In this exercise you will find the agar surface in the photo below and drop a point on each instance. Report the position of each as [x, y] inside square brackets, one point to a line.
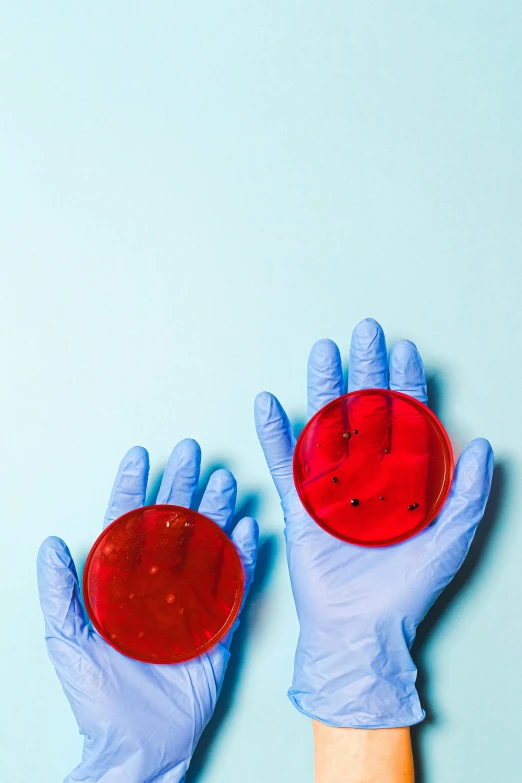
[163, 584]
[364, 489]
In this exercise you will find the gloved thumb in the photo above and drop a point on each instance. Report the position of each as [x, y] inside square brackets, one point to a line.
[59, 596]
[453, 532]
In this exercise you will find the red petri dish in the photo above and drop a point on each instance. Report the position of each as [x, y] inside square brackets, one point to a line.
[163, 584]
[373, 467]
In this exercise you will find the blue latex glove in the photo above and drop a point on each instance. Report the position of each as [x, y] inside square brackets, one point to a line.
[141, 722]
[358, 607]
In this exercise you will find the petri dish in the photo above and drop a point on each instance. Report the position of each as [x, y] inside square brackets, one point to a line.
[373, 467]
[163, 584]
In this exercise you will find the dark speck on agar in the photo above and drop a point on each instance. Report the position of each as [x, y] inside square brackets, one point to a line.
[335, 479]
[354, 502]
[347, 435]
[382, 497]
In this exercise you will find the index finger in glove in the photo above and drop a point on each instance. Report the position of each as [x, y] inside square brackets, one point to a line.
[245, 538]
[130, 484]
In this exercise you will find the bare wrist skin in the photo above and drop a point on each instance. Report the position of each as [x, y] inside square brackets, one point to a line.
[345, 755]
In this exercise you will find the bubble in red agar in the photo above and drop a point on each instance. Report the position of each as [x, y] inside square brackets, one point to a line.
[190, 603]
[401, 454]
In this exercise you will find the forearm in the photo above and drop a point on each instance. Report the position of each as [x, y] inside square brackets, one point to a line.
[361, 755]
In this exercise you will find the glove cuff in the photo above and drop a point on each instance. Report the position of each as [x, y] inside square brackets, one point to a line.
[373, 692]
[362, 720]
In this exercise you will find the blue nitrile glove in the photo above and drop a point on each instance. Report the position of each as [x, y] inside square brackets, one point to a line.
[141, 722]
[359, 607]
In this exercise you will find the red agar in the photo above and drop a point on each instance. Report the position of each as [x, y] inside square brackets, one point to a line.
[163, 584]
[373, 467]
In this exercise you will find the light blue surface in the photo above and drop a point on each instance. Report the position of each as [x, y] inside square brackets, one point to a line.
[191, 195]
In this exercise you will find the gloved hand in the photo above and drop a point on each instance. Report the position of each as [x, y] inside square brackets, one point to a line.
[141, 722]
[358, 607]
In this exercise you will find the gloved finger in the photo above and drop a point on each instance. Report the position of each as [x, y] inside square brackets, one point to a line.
[277, 440]
[454, 530]
[245, 537]
[59, 596]
[181, 477]
[407, 371]
[219, 499]
[368, 367]
[325, 384]
[324, 375]
[410, 430]
[130, 484]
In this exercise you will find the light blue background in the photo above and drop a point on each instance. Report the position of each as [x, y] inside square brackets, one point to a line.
[192, 193]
